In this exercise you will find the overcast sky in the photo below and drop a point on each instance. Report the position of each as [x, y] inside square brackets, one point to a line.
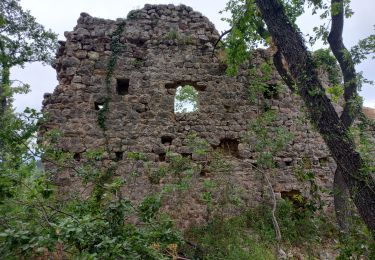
[62, 15]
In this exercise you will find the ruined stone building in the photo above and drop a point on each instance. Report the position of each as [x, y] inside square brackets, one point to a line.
[117, 87]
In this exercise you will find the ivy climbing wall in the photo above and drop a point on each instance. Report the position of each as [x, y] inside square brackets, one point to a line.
[117, 85]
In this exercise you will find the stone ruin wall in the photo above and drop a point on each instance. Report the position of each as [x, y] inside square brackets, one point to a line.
[167, 46]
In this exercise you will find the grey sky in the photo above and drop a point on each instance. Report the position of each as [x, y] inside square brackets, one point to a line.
[62, 15]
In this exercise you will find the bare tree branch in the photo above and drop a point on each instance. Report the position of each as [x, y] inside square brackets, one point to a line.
[274, 207]
[221, 37]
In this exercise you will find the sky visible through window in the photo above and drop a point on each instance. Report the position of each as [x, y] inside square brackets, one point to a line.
[186, 99]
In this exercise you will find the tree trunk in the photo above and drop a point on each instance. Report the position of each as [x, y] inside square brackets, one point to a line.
[351, 107]
[322, 114]
[341, 201]
[4, 86]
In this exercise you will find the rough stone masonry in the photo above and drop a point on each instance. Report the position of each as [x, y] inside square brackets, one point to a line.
[155, 50]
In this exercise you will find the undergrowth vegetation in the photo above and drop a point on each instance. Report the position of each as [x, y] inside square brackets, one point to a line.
[251, 235]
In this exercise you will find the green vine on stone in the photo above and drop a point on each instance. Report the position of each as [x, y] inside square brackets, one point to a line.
[116, 48]
[102, 113]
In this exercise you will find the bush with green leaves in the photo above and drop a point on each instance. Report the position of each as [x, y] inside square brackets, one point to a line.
[251, 234]
[35, 221]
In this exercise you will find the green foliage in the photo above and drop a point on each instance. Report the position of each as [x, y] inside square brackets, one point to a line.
[178, 38]
[304, 175]
[249, 30]
[227, 239]
[35, 222]
[302, 226]
[172, 35]
[186, 99]
[266, 141]
[245, 23]
[116, 48]
[149, 208]
[179, 164]
[219, 164]
[364, 49]
[198, 145]
[20, 33]
[258, 87]
[365, 148]
[85, 230]
[102, 114]
[136, 156]
[251, 234]
[328, 63]
[17, 150]
[22, 40]
[154, 176]
[336, 92]
[357, 243]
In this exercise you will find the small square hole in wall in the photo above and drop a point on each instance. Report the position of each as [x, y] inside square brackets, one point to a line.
[229, 146]
[166, 139]
[77, 157]
[119, 156]
[162, 157]
[99, 106]
[288, 163]
[323, 161]
[122, 87]
[187, 155]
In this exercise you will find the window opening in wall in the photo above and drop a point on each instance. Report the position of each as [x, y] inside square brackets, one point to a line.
[122, 87]
[323, 161]
[166, 139]
[187, 155]
[162, 157]
[288, 163]
[229, 146]
[99, 105]
[295, 197]
[77, 157]
[119, 156]
[186, 99]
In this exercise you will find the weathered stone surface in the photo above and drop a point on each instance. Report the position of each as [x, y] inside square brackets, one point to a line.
[163, 47]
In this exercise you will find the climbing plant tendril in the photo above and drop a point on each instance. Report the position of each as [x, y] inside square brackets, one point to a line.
[116, 48]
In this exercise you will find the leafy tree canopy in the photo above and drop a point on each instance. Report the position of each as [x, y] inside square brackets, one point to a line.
[22, 39]
[250, 31]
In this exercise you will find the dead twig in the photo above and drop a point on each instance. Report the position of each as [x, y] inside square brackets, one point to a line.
[220, 38]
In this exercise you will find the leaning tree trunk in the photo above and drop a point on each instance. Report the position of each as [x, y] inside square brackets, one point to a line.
[352, 108]
[322, 114]
[4, 85]
[4, 82]
[341, 201]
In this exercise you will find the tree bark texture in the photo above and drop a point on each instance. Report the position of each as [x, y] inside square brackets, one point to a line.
[322, 113]
[351, 107]
[341, 201]
[4, 82]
